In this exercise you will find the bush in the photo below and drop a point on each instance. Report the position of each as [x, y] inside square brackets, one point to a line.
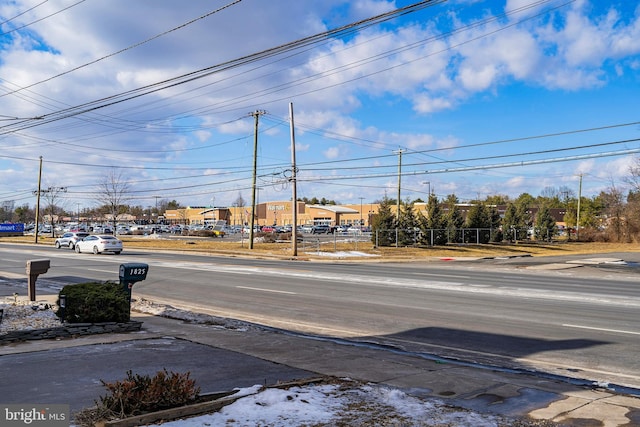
[592, 235]
[141, 393]
[95, 302]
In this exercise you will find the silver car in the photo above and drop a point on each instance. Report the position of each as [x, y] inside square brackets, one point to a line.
[69, 239]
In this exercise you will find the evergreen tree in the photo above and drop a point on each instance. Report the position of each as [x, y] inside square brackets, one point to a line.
[523, 204]
[433, 227]
[407, 234]
[514, 223]
[545, 227]
[383, 225]
[453, 221]
[495, 220]
[479, 220]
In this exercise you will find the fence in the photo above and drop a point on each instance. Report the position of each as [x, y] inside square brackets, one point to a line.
[434, 237]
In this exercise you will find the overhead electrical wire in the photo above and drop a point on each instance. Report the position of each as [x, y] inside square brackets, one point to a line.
[39, 19]
[125, 49]
[6, 21]
[473, 168]
[493, 18]
[382, 55]
[195, 75]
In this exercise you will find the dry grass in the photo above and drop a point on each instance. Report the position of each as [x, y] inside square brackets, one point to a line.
[307, 249]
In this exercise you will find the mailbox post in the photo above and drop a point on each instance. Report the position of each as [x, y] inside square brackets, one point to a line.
[131, 273]
[35, 268]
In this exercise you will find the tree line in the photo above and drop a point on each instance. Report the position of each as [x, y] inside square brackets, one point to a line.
[607, 217]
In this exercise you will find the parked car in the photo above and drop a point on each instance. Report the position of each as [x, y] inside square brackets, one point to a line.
[320, 229]
[99, 243]
[70, 238]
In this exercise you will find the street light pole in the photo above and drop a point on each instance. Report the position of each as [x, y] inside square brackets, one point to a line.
[429, 184]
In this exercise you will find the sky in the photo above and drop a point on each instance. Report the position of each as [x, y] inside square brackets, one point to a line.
[466, 97]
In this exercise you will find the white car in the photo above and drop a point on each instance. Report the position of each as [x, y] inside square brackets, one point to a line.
[99, 243]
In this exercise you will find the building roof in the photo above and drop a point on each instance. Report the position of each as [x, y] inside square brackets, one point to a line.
[334, 208]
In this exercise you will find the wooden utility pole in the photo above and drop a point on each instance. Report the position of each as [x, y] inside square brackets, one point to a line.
[38, 200]
[294, 195]
[578, 213]
[256, 115]
[399, 152]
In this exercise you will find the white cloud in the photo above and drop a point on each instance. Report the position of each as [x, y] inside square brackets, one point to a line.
[332, 152]
[425, 104]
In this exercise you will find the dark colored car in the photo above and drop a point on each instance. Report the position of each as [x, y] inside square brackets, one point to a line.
[320, 229]
[70, 239]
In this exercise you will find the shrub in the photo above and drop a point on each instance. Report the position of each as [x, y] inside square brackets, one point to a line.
[138, 394]
[95, 302]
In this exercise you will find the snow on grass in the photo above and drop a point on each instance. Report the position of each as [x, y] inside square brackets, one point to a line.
[345, 403]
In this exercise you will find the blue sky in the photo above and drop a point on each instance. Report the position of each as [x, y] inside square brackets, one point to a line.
[163, 94]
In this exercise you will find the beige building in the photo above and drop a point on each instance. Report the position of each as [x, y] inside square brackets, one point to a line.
[276, 213]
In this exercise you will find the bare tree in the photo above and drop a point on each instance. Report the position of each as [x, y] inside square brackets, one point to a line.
[113, 193]
[52, 197]
[634, 176]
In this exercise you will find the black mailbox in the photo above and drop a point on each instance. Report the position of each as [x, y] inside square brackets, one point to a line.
[131, 273]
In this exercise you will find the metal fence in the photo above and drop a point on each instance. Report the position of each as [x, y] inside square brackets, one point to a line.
[435, 237]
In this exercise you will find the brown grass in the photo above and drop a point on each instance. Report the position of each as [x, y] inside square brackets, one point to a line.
[308, 249]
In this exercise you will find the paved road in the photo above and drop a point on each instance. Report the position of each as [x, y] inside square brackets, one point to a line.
[579, 322]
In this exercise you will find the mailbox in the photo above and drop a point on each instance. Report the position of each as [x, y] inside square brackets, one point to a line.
[34, 269]
[131, 273]
[38, 266]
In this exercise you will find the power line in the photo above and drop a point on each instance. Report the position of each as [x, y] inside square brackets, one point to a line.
[37, 20]
[122, 50]
[199, 74]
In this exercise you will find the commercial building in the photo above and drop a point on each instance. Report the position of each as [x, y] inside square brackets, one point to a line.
[276, 213]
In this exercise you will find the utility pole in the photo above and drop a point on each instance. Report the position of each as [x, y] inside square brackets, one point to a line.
[294, 195]
[578, 213]
[399, 152]
[256, 115]
[38, 200]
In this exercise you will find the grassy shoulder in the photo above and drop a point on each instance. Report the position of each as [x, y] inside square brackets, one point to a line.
[311, 249]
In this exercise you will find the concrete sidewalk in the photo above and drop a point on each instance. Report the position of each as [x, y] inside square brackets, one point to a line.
[469, 387]
[221, 358]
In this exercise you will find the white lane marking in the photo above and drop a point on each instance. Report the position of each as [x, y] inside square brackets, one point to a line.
[619, 331]
[442, 275]
[266, 290]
